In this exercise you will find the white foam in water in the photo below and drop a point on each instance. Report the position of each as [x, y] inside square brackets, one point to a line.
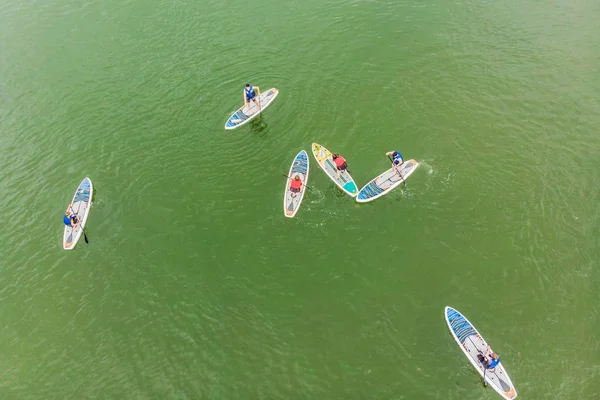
[427, 166]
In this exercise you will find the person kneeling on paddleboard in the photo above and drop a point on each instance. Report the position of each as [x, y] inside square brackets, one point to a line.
[249, 95]
[70, 219]
[296, 184]
[340, 164]
[490, 360]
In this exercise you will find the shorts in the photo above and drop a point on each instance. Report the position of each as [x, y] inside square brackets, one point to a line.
[295, 190]
[342, 167]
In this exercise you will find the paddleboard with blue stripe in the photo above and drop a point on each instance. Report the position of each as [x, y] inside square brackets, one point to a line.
[473, 345]
[292, 200]
[387, 181]
[80, 206]
[246, 113]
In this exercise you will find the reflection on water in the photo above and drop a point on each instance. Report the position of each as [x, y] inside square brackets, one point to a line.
[258, 125]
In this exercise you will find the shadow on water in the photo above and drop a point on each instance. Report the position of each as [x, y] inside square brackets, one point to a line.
[259, 125]
[336, 191]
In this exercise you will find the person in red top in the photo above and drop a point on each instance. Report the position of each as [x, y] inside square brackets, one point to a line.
[340, 163]
[296, 184]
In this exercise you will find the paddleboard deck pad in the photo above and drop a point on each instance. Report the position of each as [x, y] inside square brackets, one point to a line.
[387, 181]
[80, 206]
[292, 200]
[246, 113]
[325, 160]
[475, 347]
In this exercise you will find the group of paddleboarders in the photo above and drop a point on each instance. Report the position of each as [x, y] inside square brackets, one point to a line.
[342, 165]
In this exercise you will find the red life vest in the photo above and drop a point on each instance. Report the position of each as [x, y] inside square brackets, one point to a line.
[339, 161]
[296, 184]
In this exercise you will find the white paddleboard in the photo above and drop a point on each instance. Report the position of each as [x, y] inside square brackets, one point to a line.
[80, 206]
[472, 344]
[246, 113]
[387, 181]
[292, 200]
[325, 160]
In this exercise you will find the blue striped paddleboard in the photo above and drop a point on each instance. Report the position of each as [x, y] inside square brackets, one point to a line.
[385, 182]
[473, 345]
[246, 113]
[292, 200]
[80, 206]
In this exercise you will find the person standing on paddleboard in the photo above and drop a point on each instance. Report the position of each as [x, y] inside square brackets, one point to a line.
[249, 95]
[397, 160]
[340, 163]
[396, 157]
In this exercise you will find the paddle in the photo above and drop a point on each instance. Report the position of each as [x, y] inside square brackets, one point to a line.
[83, 230]
[484, 362]
[481, 359]
[308, 187]
[398, 172]
[484, 371]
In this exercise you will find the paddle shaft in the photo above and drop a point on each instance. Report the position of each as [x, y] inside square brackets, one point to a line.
[308, 187]
[398, 172]
[484, 371]
[83, 230]
[483, 362]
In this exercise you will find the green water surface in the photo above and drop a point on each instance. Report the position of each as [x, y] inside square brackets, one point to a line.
[195, 286]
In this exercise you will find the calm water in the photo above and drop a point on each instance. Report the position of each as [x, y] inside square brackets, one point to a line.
[195, 286]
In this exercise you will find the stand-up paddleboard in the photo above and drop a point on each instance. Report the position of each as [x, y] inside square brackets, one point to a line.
[246, 113]
[385, 182]
[325, 160]
[80, 206]
[472, 344]
[292, 200]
